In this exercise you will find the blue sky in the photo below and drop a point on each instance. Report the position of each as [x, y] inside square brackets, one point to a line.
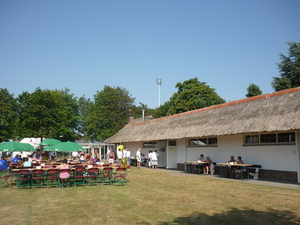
[84, 45]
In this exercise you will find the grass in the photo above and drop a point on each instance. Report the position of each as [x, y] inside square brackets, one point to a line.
[153, 197]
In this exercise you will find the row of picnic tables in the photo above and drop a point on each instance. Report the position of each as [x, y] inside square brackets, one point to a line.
[222, 165]
[45, 167]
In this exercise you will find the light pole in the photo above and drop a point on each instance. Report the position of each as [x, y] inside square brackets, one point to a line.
[159, 82]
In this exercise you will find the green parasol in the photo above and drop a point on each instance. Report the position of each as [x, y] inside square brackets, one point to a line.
[50, 142]
[65, 147]
[15, 146]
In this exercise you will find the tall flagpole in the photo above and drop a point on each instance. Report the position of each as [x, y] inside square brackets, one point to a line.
[159, 82]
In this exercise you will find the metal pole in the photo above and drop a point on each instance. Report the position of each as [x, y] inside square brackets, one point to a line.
[159, 82]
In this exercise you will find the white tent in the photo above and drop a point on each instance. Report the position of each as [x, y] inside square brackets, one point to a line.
[35, 142]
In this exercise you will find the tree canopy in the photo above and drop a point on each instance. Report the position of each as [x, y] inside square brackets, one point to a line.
[192, 94]
[109, 112]
[289, 68]
[49, 114]
[253, 90]
[8, 115]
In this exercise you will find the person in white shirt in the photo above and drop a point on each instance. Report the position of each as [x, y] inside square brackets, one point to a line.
[157, 156]
[75, 155]
[138, 158]
[153, 159]
[126, 155]
[120, 156]
[111, 156]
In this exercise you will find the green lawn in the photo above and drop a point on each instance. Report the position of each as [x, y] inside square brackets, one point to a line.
[153, 197]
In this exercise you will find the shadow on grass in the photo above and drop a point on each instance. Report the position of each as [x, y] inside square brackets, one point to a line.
[237, 217]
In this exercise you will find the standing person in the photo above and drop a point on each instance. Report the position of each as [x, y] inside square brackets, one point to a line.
[75, 155]
[111, 157]
[208, 166]
[119, 156]
[153, 160]
[52, 155]
[126, 155]
[149, 159]
[157, 156]
[138, 158]
[96, 155]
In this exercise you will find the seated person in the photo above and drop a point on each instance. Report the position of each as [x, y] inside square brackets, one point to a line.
[21, 162]
[87, 157]
[207, 167]
[16, 159]
[24, 163]
[239, 169]
[230, 169]
[201, 158]
[27, 163]
[3, 164]
[29, 157]
[81, 157]
[64, 165]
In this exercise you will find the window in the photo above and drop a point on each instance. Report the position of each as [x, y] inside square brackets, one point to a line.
[172, 143]
[193, 142]
[286, 137]
[271, 138]
[151, 144]
[203, 142]
[252, 139]
[268, 138]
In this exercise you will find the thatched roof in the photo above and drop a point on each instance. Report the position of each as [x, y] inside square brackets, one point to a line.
[278, 111]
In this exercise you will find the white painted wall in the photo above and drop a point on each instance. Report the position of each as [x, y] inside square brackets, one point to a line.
[133, 147]
[272, 157]
[172, 157]
[181, 151]
[162, 162]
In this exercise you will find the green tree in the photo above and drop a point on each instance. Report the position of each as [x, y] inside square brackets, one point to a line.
[49, 114]
[162, 110]
[253, 90]
[8, 115]
[137, 111]
[109, 112]
[193, 94]
[289, 68]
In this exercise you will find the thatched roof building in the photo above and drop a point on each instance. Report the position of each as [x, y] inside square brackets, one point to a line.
[278, 111]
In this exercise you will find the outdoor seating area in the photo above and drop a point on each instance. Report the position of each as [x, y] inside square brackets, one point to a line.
[47, 175]
[225, 170]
